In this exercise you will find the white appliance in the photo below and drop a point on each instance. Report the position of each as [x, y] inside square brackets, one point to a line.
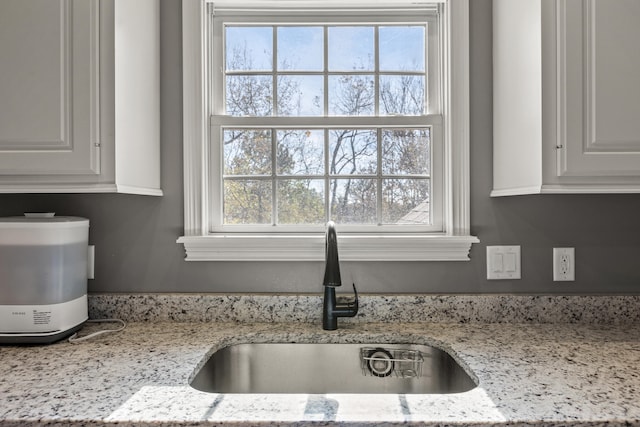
[43, 277]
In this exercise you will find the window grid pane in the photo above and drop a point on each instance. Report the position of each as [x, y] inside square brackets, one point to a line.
[340, 74]
[309, 176]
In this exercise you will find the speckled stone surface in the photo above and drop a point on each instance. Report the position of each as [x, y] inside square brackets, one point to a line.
[373, 308]
[527, 374]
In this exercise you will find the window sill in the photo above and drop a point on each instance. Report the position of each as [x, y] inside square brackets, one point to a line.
[310, 247]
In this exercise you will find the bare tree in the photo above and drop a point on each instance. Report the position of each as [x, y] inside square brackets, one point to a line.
[356, 157]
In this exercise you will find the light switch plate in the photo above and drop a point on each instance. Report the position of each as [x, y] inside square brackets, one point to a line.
[503, 262]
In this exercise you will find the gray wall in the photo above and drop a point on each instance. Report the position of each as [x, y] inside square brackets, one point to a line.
[135, 235]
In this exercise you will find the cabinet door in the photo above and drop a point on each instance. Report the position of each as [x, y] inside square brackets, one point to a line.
[49, 87]
[599, 69]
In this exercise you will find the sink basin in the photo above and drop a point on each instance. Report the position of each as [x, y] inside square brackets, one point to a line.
[332, 368]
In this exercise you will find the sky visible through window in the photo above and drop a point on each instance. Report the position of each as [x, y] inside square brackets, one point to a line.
[371, 175]
[402, 48]
[350, 49]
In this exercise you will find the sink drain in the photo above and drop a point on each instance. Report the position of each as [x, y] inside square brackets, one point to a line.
[380, 362]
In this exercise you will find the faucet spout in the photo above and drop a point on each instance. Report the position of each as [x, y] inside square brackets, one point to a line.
[332, 309]
[332, 263]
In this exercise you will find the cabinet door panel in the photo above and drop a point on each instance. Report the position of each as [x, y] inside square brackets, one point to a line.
[614, 105]
[599, 68]
[48, 90]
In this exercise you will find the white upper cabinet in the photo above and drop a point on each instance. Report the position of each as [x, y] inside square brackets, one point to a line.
[80, 96]
[566, 96]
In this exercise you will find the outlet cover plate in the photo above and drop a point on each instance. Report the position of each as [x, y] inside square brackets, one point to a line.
[503, 262]
[564, 264]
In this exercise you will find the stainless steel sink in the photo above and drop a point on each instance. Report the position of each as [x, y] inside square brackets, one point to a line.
[332, 368]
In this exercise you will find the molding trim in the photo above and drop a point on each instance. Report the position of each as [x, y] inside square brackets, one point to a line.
[516, 191]
[311, 247]
[590, 189]
[195, 125]
[569, 189]
[457, 117]
[63, 187]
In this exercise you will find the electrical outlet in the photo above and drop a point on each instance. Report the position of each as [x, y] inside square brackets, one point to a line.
[564, 265]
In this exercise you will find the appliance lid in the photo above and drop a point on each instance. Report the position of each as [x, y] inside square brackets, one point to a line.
[47, 219]
[43, 230]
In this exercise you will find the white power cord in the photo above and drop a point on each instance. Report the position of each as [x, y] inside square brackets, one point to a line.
[73, 339]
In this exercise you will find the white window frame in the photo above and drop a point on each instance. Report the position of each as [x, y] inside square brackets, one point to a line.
[220, 120]
[451, 244]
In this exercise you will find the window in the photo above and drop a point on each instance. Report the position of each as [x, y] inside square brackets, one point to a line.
[316, 122]
[301, 112]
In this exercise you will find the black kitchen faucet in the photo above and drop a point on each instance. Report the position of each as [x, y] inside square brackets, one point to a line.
[332, 309]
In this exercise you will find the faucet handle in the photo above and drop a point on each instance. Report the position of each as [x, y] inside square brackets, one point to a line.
[349, 308]
[354, 305]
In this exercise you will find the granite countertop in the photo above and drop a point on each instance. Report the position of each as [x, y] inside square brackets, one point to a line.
[542, 374]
